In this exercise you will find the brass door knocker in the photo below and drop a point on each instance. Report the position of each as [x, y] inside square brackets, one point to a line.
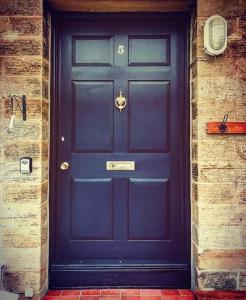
[120, 102]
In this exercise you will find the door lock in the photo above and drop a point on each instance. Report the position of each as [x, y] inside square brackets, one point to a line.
[64, 165]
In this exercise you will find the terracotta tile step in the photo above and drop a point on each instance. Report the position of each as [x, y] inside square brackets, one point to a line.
[143, 294]
[120, 294]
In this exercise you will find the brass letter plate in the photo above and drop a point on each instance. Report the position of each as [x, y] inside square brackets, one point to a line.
[120, 165]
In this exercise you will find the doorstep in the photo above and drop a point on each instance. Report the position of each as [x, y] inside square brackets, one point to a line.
[143, 294]
[120, 294]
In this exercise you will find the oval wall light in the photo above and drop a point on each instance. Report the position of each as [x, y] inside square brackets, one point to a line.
[215, 35]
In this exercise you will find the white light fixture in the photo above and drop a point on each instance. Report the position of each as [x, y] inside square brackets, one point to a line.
[215, 35]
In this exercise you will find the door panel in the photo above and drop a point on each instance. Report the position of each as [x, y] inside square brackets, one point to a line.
[149, 116]
[112, 224]
[148, 209]
[92, 131]
[92, 50]
[149, 50]
[88, 223]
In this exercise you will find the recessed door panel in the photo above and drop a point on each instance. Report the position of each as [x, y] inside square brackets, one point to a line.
[91, 209]
[92, 116]
[92, 50]
[149, 50]
[148, 209]
[149, 116]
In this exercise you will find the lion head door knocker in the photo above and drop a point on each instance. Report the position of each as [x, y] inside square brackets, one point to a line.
[120, 102]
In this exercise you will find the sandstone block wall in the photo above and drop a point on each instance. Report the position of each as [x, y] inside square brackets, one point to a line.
[218, 87]
[24, 69]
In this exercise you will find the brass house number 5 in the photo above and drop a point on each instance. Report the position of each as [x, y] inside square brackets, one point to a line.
[121, 49]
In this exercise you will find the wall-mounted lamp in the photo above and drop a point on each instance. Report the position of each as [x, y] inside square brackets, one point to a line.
[215, 35]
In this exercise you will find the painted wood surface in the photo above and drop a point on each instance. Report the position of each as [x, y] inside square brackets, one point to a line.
[232, 128]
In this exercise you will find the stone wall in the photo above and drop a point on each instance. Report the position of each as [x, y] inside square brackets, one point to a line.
[24, 69]
[218, 87]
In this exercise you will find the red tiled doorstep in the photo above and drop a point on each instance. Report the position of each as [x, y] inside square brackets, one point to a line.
[120, 294]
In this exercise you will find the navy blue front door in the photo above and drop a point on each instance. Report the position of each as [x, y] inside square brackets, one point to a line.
[120, 227]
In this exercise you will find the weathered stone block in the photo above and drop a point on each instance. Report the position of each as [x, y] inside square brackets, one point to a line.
[25, 26]
[225, 88]
[44, 213]
[221, 214]
[242, 280]
[12, 152]
[46, 40]
[221, 107]
[194, 130]
[219, 237]
[195, 233]
[44, 191]
[45, 69]
[4, 24]
[45, 110]
[226, 172]
[45, 89]
[240, 106]
[45, 151]
[241, 151]
[236, 49]
[11, 173]
[22, 193]
[21, 238]
[194, 189]
[194, 70]
[30, 130]
[17, 281]
[194, 212]
[194, 151]
[22, 65]
[24, 8]
[14, 46]
[45, 130]
[207, 8]
[226, 259]
[31, 87]
[220, 66]
[44, 255]
[217, 151]
[13, 217]
[242, 236]
[16, 259]
[241, 192]
[44, 233]
[217, 280]
[216, 193]
[20, 26]
[194, 110]
[45, 170]
[195, 171]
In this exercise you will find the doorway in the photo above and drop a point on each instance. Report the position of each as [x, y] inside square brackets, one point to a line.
[120, 204]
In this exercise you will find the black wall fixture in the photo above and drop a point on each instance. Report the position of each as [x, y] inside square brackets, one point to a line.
[16, 101]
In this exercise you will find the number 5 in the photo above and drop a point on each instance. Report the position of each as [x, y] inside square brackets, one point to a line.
[121, 49]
